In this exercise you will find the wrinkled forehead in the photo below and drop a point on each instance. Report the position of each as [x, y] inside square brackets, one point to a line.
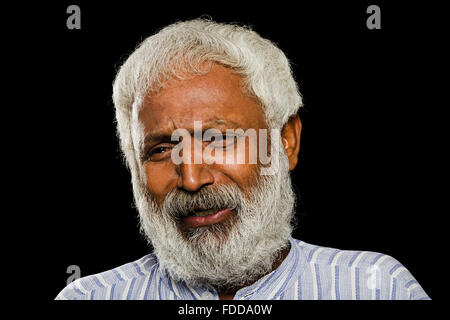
[216, 99]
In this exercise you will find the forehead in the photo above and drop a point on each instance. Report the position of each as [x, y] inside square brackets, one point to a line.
[217, 95]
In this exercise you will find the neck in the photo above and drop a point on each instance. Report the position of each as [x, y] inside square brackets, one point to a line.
[229, 293]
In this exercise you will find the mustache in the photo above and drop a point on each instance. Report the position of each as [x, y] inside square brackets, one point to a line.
[179, 203]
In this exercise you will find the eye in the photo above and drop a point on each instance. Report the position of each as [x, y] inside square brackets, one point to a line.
[159, 150]
[224, 141]
[158, 153]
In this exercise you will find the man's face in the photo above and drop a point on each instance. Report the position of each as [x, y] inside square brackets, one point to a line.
[220, 224]
[217, 100]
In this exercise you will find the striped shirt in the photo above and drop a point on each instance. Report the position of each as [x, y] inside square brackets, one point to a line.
[309, 272]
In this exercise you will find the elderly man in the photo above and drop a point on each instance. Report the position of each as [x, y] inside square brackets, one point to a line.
[196, 104]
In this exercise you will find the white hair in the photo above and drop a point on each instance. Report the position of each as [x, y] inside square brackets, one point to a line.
[184, 47]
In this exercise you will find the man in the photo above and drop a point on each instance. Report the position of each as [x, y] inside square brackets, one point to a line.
[196, 104]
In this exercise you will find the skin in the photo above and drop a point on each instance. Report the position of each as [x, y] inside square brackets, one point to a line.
[217, 99]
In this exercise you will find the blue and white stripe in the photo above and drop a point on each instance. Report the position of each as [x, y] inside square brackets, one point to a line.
[309, 272]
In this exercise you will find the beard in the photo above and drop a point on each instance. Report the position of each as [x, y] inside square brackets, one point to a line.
[229, 254]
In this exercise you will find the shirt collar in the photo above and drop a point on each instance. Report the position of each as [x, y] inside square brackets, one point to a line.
[271, 286]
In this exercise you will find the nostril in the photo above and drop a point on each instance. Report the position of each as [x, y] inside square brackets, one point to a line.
[193, 177]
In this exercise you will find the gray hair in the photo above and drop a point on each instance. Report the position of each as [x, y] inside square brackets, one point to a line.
[184, 47]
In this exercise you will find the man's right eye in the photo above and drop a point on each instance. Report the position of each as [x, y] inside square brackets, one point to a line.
[159, 150]
[158, 153]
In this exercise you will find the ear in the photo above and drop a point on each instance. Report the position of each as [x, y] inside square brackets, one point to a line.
[290, 136]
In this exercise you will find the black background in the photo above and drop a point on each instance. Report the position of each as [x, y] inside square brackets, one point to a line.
[366, 176]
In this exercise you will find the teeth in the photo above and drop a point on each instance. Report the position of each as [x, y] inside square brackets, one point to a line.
[204, 213]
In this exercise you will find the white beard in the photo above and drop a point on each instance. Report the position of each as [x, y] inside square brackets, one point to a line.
[230, 254]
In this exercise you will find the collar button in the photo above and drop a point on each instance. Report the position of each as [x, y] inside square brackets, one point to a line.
[207, 296]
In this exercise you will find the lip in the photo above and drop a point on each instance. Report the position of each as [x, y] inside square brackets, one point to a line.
[216, 217]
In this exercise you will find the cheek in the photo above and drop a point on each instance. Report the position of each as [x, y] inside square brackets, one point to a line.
[241, 165]
[242, 151]
[242, 174]
[160, 179]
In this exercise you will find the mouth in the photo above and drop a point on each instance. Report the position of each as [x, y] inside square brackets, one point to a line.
[200, 218]
[202, 213]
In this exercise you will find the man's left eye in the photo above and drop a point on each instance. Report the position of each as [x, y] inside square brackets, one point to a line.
[223, 141]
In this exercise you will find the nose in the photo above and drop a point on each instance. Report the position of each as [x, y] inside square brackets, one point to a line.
[192, 177]
[192, 172]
